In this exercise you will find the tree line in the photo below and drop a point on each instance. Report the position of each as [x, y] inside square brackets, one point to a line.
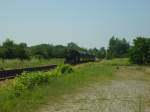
[138, 52]
[11, 50]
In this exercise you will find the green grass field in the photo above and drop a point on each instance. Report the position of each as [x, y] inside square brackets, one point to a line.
[83, 75]
[16, 63]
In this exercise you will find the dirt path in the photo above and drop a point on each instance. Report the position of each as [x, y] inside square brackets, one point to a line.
[113, 96]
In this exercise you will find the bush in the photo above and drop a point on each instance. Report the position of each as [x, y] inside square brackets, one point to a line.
[65, 69]
[62, 69]
[30, 80]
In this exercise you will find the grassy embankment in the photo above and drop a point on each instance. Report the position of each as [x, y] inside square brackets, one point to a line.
[30, 99]
[16, 63]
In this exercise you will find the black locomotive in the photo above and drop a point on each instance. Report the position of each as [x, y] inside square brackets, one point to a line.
[75, 57]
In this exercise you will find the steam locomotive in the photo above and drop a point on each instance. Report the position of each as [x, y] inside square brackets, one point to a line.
[76, 56]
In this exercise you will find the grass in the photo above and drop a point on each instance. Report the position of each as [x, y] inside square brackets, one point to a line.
[16, 63]
[116, 62]
[140, 73]
[83, 75]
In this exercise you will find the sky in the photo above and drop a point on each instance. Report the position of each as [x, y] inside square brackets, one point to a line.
[89, 23]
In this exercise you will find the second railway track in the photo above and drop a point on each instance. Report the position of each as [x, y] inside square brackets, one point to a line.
[7, 74]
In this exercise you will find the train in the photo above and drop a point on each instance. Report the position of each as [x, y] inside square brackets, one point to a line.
[72, 57]
[76, 57]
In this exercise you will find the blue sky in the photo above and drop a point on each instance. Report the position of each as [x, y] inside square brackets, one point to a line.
[89, 23]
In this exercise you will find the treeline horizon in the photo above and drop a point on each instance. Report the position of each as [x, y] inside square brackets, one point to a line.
[138, 53]
[11, 50]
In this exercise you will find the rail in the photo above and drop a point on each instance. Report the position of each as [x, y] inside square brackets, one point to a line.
[7, 74]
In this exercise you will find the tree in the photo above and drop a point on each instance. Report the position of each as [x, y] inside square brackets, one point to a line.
[42, 51]
[140, 51]
[117, 48]
[59, 51]
[102, 53]
[21, 51]
[99, 53]
[9, 49]
[73, 46]
[2, 55]
[94, 51]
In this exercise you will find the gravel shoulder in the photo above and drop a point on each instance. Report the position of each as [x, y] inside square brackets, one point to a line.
[129, 92]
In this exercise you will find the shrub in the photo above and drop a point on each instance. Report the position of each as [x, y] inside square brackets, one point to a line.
[31, 80]
[63, 69]
[18, 88]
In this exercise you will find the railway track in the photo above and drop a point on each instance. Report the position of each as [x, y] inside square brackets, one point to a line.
[7, 74]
